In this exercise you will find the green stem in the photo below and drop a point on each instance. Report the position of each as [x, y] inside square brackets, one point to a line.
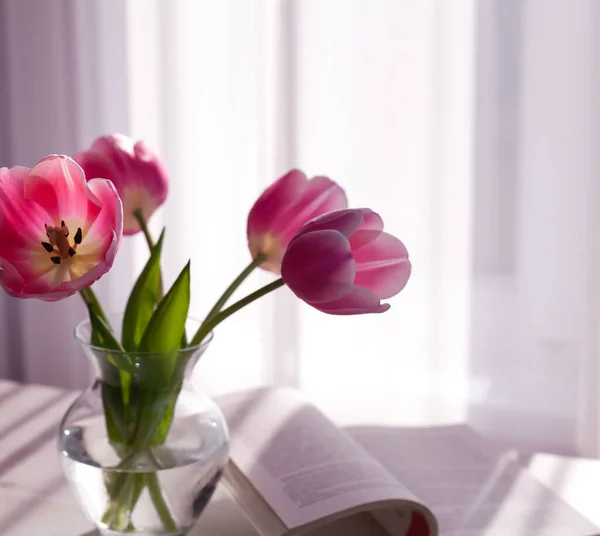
[257, 261]
[91, 300]
[126, 491]
[118, 512]
[159, 502]
[213, 322]
[139, 216]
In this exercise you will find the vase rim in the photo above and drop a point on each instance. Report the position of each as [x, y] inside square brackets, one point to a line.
[81, 339]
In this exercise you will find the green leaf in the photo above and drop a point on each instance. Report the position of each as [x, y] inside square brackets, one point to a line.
[165, 330]
[96, 339]
[114, 398]
[144, 296]
[103, 332]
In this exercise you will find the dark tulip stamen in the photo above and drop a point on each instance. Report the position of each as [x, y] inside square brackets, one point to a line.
[59, 244]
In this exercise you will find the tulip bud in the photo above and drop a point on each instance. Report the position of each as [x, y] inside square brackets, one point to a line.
[136, 171]
[283, 208]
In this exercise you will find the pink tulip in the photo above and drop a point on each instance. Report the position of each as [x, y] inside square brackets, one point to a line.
[344, 264]
[58, 232]
[283, 208]
[136, 171]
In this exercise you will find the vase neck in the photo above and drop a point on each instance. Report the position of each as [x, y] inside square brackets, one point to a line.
[153, 370]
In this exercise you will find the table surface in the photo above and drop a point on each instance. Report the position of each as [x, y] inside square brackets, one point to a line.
[35, 494]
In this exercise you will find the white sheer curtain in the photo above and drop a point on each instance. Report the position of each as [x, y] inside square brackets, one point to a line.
[535, 316]
[467, 125]
[384, 102]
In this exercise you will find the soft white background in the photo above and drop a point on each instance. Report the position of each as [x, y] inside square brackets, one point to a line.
[469, 126]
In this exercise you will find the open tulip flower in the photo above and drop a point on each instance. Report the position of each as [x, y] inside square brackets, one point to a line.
[136, 171]
[59, 233]
[343, 263]
[283, 208]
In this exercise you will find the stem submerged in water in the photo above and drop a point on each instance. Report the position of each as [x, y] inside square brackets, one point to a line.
[124, 493]
[153, 485]
[125, 486]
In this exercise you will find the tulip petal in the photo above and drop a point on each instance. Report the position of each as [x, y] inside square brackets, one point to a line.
[382, 265]
[21, 222]
[357, 302]
[276, 199]
[369, 230]
[115, 148]
[147, 164]
[22, 230]
[318, 267]
[57, 184]
[83, 277]
[136, 198]
[102, 239]
[10, 279]
[96, 165]
[14, 285]
[345, 220]
[321, 195]
[372, 220]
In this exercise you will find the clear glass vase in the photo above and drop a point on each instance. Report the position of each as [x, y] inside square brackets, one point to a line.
[141, 448]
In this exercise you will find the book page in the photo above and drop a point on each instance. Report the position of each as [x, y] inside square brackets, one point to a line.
[302, 464]
[472, 489]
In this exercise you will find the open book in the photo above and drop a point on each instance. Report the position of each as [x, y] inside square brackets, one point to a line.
[293, 471]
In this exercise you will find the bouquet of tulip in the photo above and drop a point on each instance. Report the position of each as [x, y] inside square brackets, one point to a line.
[62, 223]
